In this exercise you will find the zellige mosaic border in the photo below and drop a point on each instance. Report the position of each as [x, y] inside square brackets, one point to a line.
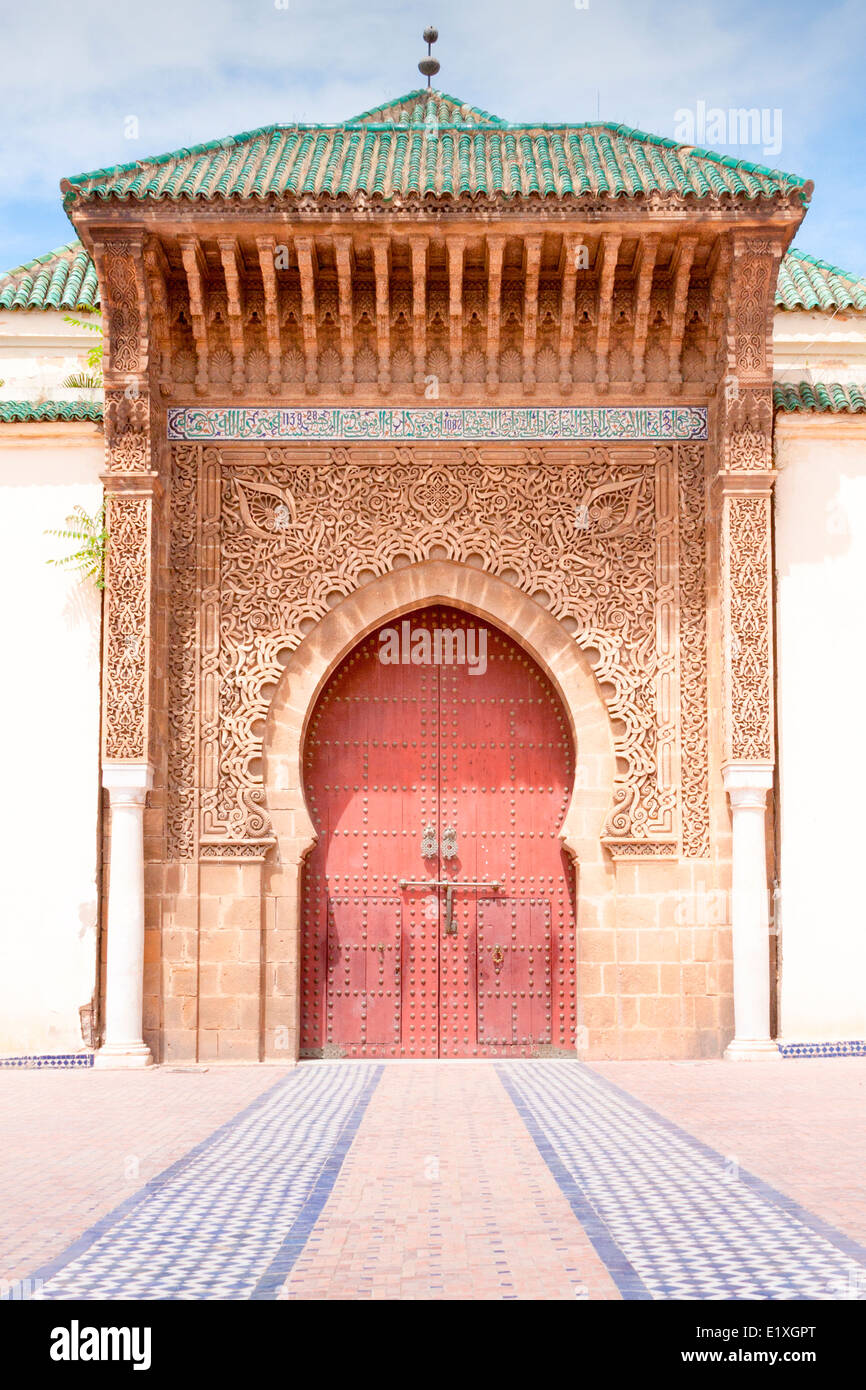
[379, 424]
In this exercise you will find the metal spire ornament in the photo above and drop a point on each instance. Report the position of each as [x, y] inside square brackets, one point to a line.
[429, 65]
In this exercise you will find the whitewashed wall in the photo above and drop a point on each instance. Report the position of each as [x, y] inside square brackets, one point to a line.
[38, 351]
[49, 700]
[49, 713]
[819, 346]
[820, 540]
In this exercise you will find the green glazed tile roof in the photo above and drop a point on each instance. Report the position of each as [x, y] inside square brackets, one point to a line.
[819, 396]
[807, 283]
[16, 412]
[422, 107]
[62, 279]
[429, 144]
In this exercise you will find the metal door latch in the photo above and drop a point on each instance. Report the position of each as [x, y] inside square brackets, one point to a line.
[449, 884]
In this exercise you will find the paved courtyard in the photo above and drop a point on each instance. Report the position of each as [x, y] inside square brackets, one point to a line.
[476, 1180]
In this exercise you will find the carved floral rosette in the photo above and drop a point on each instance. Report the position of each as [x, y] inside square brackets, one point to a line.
[265, 541]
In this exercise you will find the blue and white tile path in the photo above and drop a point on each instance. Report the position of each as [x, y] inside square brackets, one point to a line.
[663, 1210]
[228, 1220]
[667, 1216]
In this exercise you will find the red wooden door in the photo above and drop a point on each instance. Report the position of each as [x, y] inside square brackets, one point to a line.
[437, 907]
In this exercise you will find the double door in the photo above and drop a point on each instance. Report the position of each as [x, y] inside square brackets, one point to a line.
[437, 914]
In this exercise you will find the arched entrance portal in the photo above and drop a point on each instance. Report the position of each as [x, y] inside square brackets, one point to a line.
[437, 904]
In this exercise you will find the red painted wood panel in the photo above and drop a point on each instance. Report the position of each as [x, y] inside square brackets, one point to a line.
[477, 752]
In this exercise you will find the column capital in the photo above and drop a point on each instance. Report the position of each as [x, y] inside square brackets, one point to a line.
[755, 482]
[747, 777]
[127, 783]
[747, 774]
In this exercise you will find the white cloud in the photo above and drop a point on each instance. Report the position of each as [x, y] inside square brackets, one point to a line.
[193, 70]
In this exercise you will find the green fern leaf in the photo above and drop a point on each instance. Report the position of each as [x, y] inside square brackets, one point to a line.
[89, 559]
[84, 381]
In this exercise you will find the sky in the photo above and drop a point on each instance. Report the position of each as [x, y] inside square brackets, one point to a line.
[104, 82]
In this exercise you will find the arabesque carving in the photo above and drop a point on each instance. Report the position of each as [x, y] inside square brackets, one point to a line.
[694, 692]
[123, 316]
[284, 533]
[746, 572]
[127, 430]
[183, 654]
[754, 279]
[746, 460]
[125, 733]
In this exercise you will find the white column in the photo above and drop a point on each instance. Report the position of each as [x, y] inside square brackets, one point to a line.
[747, 785]
[124, 1046]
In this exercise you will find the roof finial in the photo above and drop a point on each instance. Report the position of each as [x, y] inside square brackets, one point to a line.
[429, 66]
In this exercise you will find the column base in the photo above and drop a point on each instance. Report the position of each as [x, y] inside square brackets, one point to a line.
[752, 1050]
[116, 1057]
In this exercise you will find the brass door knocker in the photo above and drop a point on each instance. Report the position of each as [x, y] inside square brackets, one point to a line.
[498, 957]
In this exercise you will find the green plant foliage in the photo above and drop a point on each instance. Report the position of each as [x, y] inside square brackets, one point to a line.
[85, 381]
[90, 534]
[91, 380]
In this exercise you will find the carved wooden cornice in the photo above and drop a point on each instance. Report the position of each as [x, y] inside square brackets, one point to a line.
[682, 266]
[381, 259]
[368, 312]
[195, 268]
[343, 257]
[610, 244]
[532, 264]
[157, 271]
[456, 251]
[304, 248]
[419, 246]
[495, 252]
[671, 205]
[645, 265]
[229, 255]
[266, 246]
[570, 248]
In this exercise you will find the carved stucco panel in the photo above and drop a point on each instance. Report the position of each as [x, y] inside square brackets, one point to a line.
[127, 627]
[755, 272]
[123, 314]
[747, 609]
[127, 430]
[183, 654]
[284, 533]
[694, 694]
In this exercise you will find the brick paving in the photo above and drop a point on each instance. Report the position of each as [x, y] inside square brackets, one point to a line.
[445, 1186]
[443, 1195]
